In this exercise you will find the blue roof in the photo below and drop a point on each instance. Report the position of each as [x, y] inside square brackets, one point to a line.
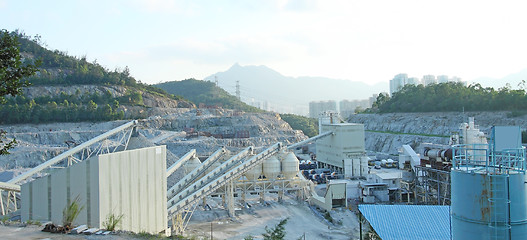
[408, 221]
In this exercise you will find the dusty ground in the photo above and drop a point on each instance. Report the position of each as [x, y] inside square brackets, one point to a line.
[302, 220]
[14, 232]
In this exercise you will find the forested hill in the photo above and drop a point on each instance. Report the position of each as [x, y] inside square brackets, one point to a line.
[205, 93]
[70, 89]
[452, 97]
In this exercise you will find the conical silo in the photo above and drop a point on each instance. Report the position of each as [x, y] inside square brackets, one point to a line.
[271, 168]
[290, 165]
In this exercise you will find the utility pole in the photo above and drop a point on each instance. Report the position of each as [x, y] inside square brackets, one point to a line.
[217, 90]
[238, 90]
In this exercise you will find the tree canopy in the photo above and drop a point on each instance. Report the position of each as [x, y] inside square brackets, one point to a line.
[308, 125]
[451, 96]
[13, 69]
[206, 93]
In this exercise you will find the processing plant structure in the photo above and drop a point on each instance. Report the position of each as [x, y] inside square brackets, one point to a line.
[109, 179]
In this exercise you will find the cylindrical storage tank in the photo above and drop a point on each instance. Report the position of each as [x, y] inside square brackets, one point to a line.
[271, 168]
[290, 166]
[254, 173]
[191, 164]
[481, 205]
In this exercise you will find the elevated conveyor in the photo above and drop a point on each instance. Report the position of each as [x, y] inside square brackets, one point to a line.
[209, 177]
[312, 139]
[208, 184]
[191, 177]
[93, 147]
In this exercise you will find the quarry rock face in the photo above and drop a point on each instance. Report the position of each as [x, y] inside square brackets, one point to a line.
[389, 131]
[180, 130]
[149, 99]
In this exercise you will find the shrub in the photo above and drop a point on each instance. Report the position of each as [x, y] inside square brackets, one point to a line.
[112, 221]
[71, 212]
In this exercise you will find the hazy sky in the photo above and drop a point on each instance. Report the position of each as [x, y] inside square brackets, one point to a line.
[370, 41]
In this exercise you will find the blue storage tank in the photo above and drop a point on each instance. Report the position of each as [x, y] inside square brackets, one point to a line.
[488, 193]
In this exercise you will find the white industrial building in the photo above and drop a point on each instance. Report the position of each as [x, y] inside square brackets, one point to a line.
[342, 151]
[128, 183]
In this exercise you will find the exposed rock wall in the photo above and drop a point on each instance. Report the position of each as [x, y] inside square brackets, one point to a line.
[39, 143]
[396, 129]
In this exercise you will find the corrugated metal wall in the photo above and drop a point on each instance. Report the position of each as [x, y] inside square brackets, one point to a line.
[132, 183]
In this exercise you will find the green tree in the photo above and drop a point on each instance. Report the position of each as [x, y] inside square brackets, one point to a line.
[276, 233]
[12, 72]
[13, 69]
[136, 98]
[308, 125]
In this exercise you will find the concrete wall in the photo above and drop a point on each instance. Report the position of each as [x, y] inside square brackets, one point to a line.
[131, 183]
[334, 191]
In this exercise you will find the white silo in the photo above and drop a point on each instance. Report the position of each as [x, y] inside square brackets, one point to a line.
[290, 166]
[271, 168]
[254, 173]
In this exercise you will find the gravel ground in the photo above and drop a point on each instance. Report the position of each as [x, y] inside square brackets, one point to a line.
[302, 220]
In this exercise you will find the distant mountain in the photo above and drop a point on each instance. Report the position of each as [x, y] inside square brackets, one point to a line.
[513, 79]
[267, 88]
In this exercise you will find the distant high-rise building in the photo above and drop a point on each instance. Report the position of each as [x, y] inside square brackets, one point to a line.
[414, 81]
[398, 82]
[315, 108]
[442, 79]
[429, 79]
[266, 106]
[458, 80]
[373, 98]
[348, 107]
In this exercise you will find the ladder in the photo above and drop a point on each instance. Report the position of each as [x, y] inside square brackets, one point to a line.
[499, 206]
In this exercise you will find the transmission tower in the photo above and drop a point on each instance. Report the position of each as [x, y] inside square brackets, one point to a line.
[238, 89]
[216, 80]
